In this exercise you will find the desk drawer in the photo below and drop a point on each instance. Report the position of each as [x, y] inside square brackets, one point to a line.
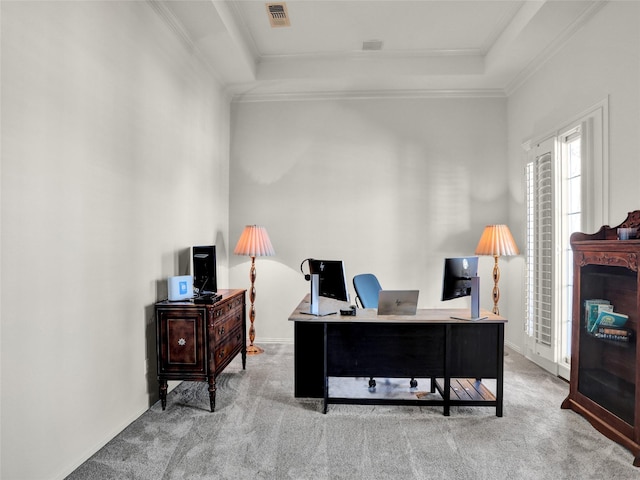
[475, 351]
[228, 348]
[405, 350]
[224, 326]
[228, 307]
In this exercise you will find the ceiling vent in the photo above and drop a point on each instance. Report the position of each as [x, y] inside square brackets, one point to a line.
[278, 15]
[372, 45]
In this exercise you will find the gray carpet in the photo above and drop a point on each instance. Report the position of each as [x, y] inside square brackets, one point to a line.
[260, 431]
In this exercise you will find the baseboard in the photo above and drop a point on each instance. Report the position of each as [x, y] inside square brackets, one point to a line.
[287, 341]
[110, 436]
[89, 452]
[513, 347]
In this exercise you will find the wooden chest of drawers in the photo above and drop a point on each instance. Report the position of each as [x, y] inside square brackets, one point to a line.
[196, 342]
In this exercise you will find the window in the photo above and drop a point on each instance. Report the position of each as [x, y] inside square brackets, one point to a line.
[570, 221]
[566, 187]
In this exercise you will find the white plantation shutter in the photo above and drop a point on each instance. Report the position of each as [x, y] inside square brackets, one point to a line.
[540, 254]
[543, 277]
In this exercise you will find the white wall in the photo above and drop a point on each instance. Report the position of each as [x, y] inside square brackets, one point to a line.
[114, 160]
[390, 186]
[601, 61]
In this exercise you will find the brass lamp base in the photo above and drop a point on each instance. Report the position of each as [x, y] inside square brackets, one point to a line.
[496, 290]
[251, 348]
[254, 350]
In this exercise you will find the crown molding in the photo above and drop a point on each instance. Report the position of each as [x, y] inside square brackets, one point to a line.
[173, 23]
[371, 54]
[554, 47]
[365, 95]
[242, 29]
[181, 34]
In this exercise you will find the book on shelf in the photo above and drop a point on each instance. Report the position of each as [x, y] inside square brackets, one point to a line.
[592, 309]
[618, 334]
[611, 319]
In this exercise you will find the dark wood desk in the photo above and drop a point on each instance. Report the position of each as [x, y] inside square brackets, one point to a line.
[458, 353]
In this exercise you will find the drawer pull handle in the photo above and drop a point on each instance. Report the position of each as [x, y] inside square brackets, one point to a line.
[221, 331]
[221, 354]
[182, 342]
[238, 337]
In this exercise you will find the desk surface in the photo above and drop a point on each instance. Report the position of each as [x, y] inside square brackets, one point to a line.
[367, 315]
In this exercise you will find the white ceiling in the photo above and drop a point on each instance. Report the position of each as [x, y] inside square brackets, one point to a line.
[473, 46]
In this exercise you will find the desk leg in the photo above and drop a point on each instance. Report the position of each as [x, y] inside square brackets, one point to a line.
[325, 377]
[500, 370]
[447, 396]
[447, 369]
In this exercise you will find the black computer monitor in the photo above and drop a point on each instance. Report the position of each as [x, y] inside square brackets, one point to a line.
[458, 273]
[461, 280]
[205, 280]
[333, 281]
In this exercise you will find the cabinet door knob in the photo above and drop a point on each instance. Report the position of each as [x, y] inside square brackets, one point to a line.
[182, 342]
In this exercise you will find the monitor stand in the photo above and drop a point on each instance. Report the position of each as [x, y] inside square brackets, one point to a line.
[475, 302]
[315, 299]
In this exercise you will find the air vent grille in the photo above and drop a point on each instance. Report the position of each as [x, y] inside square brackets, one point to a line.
[372, 45]
[278, 15]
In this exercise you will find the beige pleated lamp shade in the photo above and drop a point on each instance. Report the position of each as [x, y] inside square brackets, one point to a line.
[497, 240]
[254, 242]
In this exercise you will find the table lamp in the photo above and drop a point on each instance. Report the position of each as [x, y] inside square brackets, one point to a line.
[254, 242]
[496, 240]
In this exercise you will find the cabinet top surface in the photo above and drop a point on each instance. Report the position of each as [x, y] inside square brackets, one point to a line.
[629, 246]
[226, 294]
[368, 315]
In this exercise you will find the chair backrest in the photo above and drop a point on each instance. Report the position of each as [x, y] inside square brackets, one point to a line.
[367, 288]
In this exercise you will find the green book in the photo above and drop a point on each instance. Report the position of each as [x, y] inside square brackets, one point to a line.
[611, 319]
[592, 309]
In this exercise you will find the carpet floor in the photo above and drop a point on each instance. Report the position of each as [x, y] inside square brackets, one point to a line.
[261, 431]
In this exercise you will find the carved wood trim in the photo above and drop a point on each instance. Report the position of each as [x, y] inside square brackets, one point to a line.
[632, 220]
[627, 260]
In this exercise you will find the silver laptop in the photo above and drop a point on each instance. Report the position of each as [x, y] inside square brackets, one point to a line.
[397, 302]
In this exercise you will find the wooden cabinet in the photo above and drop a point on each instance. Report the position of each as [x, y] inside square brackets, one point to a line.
[196, 342]
[605, 378]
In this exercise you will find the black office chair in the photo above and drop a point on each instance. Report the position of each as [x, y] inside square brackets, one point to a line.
[367, 289]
